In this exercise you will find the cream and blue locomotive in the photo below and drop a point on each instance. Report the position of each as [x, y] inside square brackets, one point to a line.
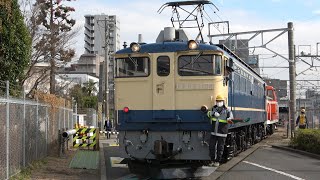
[163, 91]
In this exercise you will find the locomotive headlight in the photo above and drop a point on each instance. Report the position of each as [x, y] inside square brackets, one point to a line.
[204, 109]
[192, 44]
[135, 47]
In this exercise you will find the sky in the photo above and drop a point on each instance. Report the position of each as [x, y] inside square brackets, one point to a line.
[141, 17]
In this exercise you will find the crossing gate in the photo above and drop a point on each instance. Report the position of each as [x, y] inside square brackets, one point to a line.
[86, 137]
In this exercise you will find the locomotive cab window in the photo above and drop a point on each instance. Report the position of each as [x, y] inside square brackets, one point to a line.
[133, 67]
[199, 65]
[163, 66]
[270, 95]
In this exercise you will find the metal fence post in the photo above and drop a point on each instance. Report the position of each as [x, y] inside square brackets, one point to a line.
[37, 121]
[47, 128]
[312, 119]
[59, 124]
[7, 130]
[64, 114]
[72, 120]
[76, 114]
[24, 128]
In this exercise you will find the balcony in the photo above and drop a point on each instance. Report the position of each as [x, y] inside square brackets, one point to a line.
[88, 32]
[89, 27]
[88, 47]
[88, 40]
[92, 21]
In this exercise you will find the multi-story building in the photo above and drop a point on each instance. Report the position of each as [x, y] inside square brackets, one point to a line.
[89, 64]
[95, 30]
[95, 43]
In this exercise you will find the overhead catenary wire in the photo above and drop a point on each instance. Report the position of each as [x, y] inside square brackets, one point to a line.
[240, 41]
[277, 73]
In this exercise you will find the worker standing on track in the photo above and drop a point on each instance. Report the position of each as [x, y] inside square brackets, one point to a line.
[219, 118]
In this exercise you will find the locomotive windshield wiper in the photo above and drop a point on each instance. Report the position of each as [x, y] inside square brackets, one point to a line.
[196, 58]
[134, 62]
[193, 60]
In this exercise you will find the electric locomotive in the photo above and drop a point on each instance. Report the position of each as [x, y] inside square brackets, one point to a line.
[163, 91]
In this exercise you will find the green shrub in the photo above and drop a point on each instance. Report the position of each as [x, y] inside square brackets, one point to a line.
[307, 140]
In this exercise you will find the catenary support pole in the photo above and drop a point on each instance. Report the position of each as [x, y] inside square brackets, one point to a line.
[292, 77]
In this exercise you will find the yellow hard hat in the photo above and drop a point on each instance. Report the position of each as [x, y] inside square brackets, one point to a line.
[219, 98]
[303, 110]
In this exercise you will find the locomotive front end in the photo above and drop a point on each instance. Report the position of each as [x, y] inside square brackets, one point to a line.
[163, 91]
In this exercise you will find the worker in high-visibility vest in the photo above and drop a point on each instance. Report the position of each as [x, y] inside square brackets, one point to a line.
[219, 118]
[302, 120]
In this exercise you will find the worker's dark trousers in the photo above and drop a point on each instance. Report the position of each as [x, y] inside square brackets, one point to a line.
[303, 126]
[108, 133]
[216, 147]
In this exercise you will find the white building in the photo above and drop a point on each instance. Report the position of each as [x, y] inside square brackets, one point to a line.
[69, 80]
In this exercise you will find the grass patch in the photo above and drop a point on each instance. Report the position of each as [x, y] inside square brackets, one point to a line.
[307, 140]
[25, 173]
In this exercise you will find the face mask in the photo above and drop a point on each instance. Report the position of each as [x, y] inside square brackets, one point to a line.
[219, 104]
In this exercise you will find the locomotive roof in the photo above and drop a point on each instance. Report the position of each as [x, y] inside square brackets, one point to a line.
[167, 47]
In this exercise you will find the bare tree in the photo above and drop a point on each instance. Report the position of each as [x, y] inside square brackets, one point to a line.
[50, 28]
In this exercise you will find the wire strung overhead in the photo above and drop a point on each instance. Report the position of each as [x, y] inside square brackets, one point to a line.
[195, 16]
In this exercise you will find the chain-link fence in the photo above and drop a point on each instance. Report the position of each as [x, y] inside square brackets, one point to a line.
[313, 118]
[29, 131]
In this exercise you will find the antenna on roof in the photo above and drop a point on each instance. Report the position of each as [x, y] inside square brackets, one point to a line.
[196, 15]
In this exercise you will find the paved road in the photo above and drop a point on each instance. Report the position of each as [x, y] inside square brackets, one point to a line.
[269, 163]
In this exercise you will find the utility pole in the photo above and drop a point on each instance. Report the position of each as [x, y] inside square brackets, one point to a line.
[292, 77]
[105, 75]
[52, 51]
[106, 65]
